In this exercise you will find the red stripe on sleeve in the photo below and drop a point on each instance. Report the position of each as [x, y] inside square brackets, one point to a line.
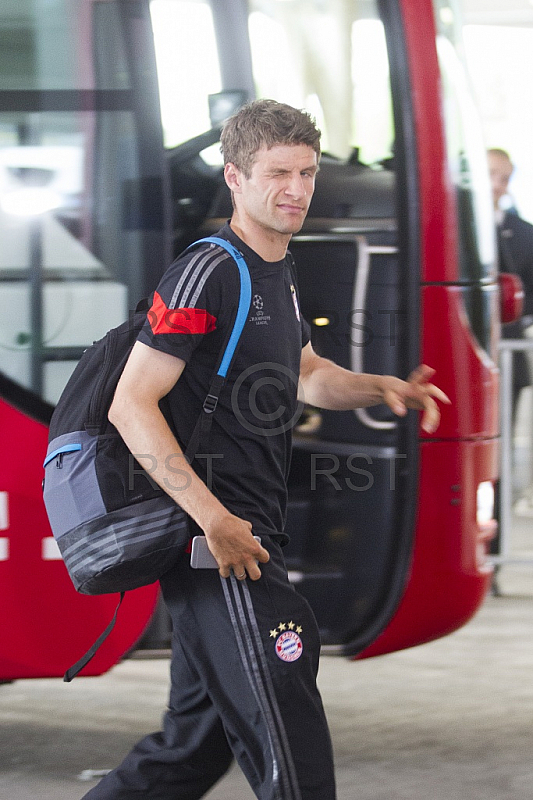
[179, 320]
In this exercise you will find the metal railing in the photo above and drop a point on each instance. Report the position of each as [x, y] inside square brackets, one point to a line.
[507, 551]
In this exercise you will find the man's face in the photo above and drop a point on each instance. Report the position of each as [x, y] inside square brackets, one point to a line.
[500, 169]
[277, 194]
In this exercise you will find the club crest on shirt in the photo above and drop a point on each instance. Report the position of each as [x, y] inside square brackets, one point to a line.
[295, 301]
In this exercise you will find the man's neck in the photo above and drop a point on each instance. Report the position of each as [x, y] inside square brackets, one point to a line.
[270, 245]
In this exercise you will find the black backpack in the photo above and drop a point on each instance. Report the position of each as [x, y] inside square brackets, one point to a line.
[115, 528]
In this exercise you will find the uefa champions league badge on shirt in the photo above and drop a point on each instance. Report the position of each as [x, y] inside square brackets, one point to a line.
[260, 318]
[289, 646]
[295, 301]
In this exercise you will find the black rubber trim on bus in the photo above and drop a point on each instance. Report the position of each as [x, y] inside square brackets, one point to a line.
[410, 249]
[25, 400]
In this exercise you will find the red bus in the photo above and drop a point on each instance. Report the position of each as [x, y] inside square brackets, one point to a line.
[110, 115]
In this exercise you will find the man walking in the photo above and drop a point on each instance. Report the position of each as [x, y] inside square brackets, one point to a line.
[245, 644]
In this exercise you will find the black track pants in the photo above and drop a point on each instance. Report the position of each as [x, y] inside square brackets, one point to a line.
[244, 664]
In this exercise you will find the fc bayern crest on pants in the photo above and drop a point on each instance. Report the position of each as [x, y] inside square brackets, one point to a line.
[289, 646]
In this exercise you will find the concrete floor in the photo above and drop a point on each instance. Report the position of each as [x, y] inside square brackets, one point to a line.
[451, 720]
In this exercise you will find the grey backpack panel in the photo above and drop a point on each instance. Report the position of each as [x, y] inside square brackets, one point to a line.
[71, 491]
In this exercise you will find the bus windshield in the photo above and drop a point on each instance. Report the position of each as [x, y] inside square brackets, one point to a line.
[328, 58]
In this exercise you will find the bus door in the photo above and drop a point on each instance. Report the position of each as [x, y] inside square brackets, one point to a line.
[395, 266]
[353, 480]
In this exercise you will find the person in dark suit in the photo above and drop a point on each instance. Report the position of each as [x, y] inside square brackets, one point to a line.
[515, 251]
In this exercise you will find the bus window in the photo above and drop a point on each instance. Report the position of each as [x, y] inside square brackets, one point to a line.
[185, 45]
[469, 175]
[71, 215]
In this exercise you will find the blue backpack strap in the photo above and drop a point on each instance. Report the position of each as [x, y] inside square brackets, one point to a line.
[245, 298]
[203, 424]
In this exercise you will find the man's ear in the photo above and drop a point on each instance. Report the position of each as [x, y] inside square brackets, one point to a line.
[233, 177]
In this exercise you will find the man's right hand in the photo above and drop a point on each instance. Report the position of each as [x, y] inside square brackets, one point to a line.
[231, 541]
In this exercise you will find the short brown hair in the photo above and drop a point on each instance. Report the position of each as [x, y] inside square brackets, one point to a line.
[265, 123]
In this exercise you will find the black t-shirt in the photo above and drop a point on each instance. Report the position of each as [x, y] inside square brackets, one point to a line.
[250, 440]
